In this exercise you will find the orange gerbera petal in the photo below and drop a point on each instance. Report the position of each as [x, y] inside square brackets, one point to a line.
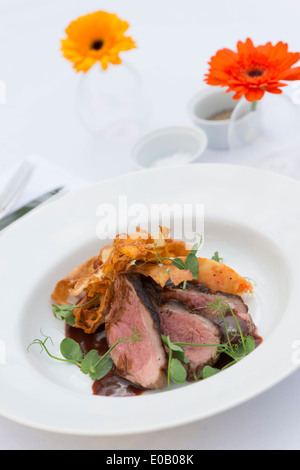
[96, 37]
[252, 71]
[254, 94]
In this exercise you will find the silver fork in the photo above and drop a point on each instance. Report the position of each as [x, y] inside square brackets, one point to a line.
[15, 187]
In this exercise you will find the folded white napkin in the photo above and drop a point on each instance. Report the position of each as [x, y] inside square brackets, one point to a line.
[45, 177]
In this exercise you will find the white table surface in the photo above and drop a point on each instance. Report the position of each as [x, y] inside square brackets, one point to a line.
[176, 39]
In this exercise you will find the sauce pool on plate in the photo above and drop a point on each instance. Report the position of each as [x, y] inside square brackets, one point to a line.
[112, 384]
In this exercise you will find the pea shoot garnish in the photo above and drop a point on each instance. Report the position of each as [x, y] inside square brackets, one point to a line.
[235, 345]
[216, 257]
[191, 262]
[91, 364]
[236, 351]
[176, 371]
[65, 312]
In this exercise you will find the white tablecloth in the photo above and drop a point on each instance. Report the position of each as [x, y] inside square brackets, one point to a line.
[175, 41]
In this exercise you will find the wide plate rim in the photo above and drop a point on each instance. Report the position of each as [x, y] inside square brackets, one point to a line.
[174, 423]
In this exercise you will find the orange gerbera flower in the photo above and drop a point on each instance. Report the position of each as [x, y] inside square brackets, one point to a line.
[96, 37]
[251, 71]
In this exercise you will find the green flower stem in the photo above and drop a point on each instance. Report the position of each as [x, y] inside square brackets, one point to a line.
[253, 105]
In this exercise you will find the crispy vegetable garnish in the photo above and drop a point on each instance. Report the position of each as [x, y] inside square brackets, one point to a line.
[62, 289]
[90, 317]
[162, 273]
[150, 255]
[217, 276]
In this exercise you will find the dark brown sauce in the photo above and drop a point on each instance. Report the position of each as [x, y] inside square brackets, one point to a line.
[224, 359]
[112, 384]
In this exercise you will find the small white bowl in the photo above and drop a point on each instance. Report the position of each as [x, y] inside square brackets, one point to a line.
[169, 146]
[208, 102]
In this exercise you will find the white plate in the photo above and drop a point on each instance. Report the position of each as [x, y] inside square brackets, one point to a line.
[251, 218]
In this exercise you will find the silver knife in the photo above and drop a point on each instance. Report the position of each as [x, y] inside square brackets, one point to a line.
[13, 216]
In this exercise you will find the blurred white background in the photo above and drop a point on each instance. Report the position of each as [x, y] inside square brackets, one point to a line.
[175, 40]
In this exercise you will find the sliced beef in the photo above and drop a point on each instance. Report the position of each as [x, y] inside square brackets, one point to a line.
[144, 362]
[198, 297]
[184, 326]
[152, 289]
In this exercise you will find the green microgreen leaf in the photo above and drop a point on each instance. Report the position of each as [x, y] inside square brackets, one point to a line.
[249, 345]
[197, 245]
[243, 349]
[237, 351]
[88, 364]
[177, 349]
[71, 350]
[216, 257]
[103, 367]
[65, 312]
[96, 366]
[91, 364]
[45, 348]
[180, 353]
[177, 371]
[208, 371]
[192, 264]
[179, 263]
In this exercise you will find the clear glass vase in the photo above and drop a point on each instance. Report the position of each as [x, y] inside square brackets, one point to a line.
[110, 102]
[244, 124]
[269, 135]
